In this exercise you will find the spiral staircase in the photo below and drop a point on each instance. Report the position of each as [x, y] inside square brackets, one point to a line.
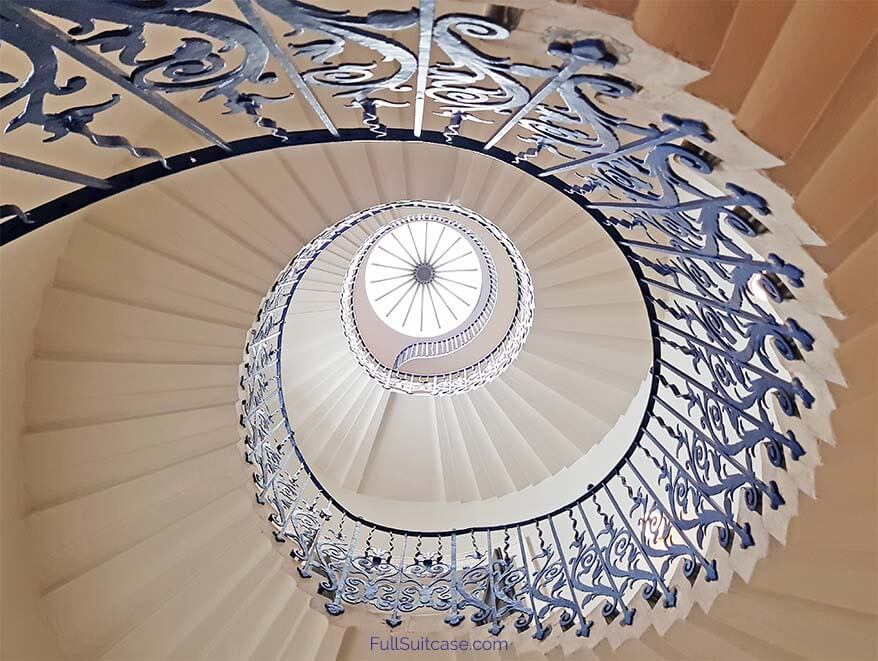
[148, 514]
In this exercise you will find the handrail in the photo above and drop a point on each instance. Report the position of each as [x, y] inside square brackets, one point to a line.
[715, 436]
[445, 346]
[437, 348]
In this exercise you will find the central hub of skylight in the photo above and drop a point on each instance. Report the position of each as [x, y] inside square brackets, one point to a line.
[424, 278]
[424, 274]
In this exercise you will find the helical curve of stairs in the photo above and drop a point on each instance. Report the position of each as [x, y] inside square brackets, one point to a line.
[129, 528]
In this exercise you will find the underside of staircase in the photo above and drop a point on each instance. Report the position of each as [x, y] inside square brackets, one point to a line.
[129, 524]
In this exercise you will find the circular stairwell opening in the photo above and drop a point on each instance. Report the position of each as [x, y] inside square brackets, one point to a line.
[554, 408]
[425, 277]
[436, 302]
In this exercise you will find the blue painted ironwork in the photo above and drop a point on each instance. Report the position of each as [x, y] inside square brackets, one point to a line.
[700, 466]
[27, 32]
[255, 20]
[588, 51]
[37, 39]
[426, 20]
[53, 171]
[355, 81]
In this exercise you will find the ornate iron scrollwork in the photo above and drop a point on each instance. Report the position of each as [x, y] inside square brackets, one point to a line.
[355, 81]
[42, 82]
[723, 378]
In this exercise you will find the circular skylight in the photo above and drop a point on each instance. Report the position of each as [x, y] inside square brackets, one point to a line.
[424, 278]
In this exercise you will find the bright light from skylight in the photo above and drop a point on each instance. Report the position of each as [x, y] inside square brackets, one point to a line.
[424, 278]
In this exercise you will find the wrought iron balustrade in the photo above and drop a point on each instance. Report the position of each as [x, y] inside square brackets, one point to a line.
[437, 348]
[715, 439]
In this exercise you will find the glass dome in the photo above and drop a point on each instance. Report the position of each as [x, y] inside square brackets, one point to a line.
[424, 278]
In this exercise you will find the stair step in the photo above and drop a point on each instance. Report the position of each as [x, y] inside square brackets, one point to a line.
[239, 638]
[158, 634]
[746, 45]
[225, 608]
[73, 538]
[66, 464]
[778, 112]
[129, 587]
[77, 393]
[693, 31]
[99, 261]
[164, 226]
[283, 628]
[305, 643]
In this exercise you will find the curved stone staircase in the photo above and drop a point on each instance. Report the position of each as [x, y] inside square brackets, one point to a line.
[128, 520]
[568, 388]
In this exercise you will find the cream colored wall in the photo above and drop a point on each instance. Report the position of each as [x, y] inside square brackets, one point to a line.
[27, 267]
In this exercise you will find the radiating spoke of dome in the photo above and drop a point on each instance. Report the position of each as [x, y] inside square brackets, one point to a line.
[424, 278]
